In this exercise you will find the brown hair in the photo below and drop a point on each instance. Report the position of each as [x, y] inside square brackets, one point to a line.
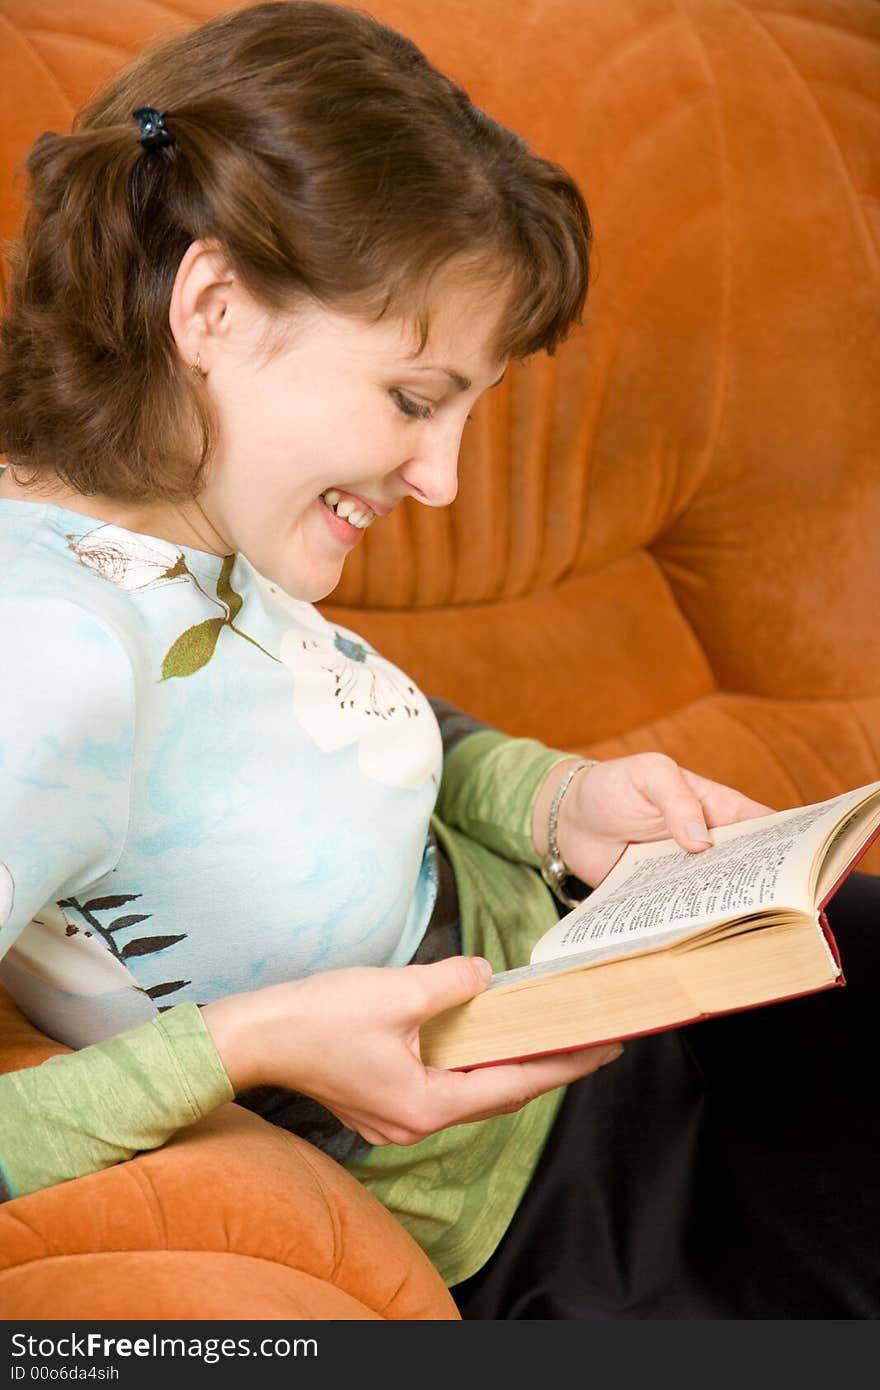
[327, 158]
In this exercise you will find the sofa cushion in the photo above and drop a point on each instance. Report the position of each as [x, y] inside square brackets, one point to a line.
[304, 1234]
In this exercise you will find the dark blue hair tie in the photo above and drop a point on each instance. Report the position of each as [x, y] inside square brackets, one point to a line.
[153, 134]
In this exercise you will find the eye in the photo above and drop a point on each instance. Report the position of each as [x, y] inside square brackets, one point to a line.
[411, 408]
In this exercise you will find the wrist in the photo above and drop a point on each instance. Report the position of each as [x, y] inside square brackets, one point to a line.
[555, 868]
[543, 801]
[229, 1023]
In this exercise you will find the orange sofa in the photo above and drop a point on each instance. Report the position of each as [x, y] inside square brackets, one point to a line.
[667, 536]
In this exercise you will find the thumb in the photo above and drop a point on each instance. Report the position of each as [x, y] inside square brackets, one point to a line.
[688, 825]
[448, 982]
[681, 808]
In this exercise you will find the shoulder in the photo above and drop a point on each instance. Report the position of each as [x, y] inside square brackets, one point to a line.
[66, 667]
[56, 607]
[57, 628]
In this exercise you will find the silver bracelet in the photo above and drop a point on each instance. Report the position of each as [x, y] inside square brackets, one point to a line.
[554, 869]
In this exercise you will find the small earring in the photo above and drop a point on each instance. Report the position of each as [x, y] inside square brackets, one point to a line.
[197, 366]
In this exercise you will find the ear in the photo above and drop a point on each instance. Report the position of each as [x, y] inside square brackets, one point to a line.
[199, 314]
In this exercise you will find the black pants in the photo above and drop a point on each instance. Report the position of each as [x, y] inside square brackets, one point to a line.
[730, 1169]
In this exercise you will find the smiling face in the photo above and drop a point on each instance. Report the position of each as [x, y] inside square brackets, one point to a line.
[324, 435]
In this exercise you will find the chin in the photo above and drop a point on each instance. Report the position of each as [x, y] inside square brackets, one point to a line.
[306, 588]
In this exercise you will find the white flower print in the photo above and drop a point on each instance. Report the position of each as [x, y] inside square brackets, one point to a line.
[7, 894]
[346, 693]
[54, 949]
[129, 561]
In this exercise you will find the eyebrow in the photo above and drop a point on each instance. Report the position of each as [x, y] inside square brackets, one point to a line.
[462, 382]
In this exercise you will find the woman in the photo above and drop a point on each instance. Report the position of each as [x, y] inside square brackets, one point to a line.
[260, 287]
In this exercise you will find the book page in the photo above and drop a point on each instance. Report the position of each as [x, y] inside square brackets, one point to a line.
[659, 890]
[837, 854]
[588, 956]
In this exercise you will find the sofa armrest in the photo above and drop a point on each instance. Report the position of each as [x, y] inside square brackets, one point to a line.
[232, 1219]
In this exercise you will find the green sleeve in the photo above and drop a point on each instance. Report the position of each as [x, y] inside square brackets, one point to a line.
[490, 782]
[86, 1110]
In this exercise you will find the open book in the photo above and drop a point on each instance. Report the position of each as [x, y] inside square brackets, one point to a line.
[669, 937]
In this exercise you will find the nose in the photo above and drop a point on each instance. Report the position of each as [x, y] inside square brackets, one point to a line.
[431, 475]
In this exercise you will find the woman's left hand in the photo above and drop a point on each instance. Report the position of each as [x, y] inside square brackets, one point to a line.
[646, 796]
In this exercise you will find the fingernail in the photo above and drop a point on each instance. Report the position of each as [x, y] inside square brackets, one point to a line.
[484, 967]
[613, 1056]
[696, 830]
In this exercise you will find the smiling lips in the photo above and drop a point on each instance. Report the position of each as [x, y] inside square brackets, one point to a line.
[348, 508]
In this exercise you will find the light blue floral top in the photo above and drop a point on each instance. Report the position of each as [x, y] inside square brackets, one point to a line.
[166, 716]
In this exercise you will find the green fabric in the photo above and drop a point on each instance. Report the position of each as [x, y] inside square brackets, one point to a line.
[456, 1191]
[86, 1110]
[488, 789]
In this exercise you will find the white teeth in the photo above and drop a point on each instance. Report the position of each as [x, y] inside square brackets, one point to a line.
[348, 509]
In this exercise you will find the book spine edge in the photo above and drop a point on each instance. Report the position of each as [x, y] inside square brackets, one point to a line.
[836, 983]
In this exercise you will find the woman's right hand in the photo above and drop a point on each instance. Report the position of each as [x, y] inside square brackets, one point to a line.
[350, 1039]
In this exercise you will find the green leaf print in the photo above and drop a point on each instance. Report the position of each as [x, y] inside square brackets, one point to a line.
[177, 570]
[193, 649]
[225, 591]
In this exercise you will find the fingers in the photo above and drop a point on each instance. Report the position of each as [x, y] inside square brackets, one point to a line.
[723, 805]
[747, 809]
[496, 1090]
[678, 802]
[690, 803]
[436, 987]
[454, 1098]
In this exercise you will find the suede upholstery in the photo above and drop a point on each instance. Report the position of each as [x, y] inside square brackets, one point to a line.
[665, 536]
